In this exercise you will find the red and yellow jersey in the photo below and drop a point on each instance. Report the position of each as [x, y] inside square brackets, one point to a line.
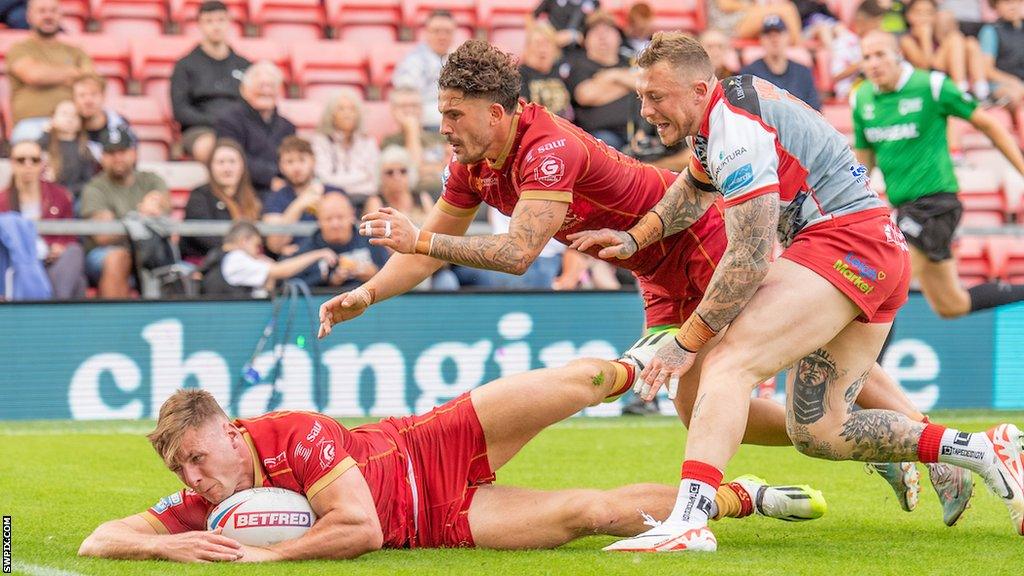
[548, 158]
[304, 452]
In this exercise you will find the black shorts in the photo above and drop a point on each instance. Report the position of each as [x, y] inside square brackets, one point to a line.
[930, 222]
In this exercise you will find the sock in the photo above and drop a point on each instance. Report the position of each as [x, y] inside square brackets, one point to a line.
[624, 377]
[994, 294]
[980, 90]
[733, 501]
[695, 503]
[951, 446]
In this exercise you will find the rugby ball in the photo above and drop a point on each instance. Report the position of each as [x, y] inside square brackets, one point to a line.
[262, 516]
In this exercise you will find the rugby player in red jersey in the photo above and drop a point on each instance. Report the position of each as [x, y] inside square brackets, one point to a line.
[823, 308]
[415, 482]
[555, 180]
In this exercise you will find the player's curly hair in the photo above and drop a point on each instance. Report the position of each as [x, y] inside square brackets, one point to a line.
[682, 51]
[480, 70]
[184, 410]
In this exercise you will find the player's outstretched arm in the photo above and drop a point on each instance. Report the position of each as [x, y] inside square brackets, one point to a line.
[347, 525]
[999, 136]
[685, 202]
[133, 538]
[401, 273]
[751, 228]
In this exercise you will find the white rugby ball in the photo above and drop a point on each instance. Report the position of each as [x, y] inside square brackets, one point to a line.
[262, 516]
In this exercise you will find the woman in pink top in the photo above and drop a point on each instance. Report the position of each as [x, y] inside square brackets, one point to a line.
[346, 156]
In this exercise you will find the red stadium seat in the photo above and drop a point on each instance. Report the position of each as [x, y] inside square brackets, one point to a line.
[151, 121]
[1009, 251]
[288, 20]
[383, 60]
[256, 49]
[509, 39]
[972, 261]
[304, 114]
[981, 194]
[348, 16]
[75, 15]
[183, 13]
[130, 17]
[839, 116]
[494, 15]
[368, 34]
[326, 65]
[981, 220]
[110, 57]
[378, 121]
[415, 12]
[153, 61]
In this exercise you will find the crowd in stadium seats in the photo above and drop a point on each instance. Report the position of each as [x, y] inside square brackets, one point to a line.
[318, 110]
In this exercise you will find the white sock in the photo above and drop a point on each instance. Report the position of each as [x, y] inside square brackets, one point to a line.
[966, 450]
[695, 503]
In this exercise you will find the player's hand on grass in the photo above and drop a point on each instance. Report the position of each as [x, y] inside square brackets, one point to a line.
[343, 307]
[616, 243]
[200, 546]
[670, 362]
[390, 228]
[257, 554]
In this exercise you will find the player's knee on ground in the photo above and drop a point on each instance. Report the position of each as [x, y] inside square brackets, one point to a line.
[593, 375]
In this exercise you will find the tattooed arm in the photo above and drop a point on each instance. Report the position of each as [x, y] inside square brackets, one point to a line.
[685, 202]
[751, 230]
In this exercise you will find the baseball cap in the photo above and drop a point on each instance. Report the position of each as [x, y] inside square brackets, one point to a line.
[119, 138]
[772, 23]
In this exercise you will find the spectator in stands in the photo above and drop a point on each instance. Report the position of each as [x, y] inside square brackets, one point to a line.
[89, 93]
[639, 28]
[543, 82]
[298, 199]
[429, 150]
[959, 57]
[845, 52]
[900, 118]
[357, 259]
[1003, 44]
[112, 194]
[542, 272]
[346, 157]
[568, 18]
[963, 15]
[584, 272]
[893, 21]
[602, 83]
[14, 14]
[37, 199]
[229, 195]
[241, 268]
[817, 19]
[41, 70]
[778, 69]
[421, 68]
[205, 84]
[69, 161]
[744, 18]
[255, 124]
[720, 52]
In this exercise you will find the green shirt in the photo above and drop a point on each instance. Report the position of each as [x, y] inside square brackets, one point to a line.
[906, 129]
[101, 193]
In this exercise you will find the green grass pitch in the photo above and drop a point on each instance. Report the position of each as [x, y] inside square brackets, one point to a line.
[59, 480]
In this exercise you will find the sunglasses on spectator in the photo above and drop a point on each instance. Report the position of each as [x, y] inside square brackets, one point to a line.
[28, 160]
[396, 171]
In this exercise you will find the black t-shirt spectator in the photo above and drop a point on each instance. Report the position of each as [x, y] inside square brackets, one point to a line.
[358, 249]
[796, 80]
[566, 14]
[547, 89]
[77, 164]
[260, 139]
[613, 116]
[202, 205]
[204, 88]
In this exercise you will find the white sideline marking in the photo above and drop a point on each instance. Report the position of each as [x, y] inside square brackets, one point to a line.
[36, 570]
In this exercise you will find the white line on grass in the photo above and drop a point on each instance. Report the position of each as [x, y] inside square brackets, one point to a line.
[36, 570]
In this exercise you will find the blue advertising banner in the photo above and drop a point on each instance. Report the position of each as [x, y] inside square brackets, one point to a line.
[122, 360]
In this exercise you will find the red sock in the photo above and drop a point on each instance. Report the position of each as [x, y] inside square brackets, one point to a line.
[928, 445]
[701, 472]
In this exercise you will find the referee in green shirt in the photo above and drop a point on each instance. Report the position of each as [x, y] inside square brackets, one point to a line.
[899, 122]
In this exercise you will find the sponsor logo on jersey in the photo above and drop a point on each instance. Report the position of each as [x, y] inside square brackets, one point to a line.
[326, 453]
[736, 181]
[724, 159]
[265, 519]
[167, 502]
[550, 171]
[869, 112]
[303, 451]
[274, 462]
[895, 133]
[858, 272]
[314, 431]
[910, 105]
[551, 146]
